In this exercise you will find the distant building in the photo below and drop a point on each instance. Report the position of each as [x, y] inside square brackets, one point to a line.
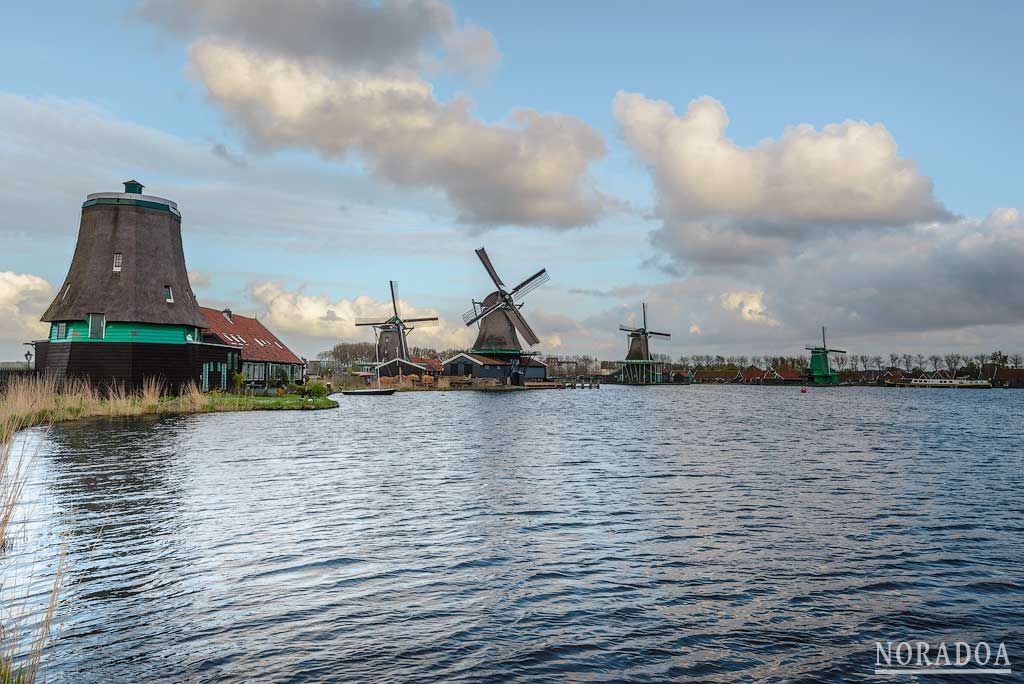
[396, 368]
[1008, 377]
[785, 375]
[265, 360]
[126, 311]
[472, 365]
[715, 375]
[752, 375]
[434, 367]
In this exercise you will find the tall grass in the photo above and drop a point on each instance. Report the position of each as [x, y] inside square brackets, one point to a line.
[33, 400]
[24, 628]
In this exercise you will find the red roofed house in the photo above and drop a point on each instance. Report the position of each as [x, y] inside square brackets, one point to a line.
[786, 374]
[752, 375]
[435, 367]
[266, 360]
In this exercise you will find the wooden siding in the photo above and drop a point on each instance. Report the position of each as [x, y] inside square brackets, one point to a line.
[131, 363]
[118, 331]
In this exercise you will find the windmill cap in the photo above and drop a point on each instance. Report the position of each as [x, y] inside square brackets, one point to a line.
[133, 187]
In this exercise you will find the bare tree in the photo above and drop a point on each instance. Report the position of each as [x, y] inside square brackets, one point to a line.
[894, 360]
[908, 362]
[877, 360]
[919, 361]
[864, 361]
[1016, 360]
[953, 362]
[936, 361]
[839, 361]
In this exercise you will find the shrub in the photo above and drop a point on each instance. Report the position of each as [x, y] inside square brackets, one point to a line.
[238, 380]
[316, 390]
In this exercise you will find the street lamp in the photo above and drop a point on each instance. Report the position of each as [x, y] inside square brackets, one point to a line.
[28, 358]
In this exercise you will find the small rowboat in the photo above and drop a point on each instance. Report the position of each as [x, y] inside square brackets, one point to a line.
[372, 391]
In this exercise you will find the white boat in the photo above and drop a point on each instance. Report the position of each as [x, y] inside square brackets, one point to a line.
[949, 383]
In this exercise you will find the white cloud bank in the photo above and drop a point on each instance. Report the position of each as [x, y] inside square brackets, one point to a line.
[316, 316]
[22, 299]
[367, 99]
[722, 203]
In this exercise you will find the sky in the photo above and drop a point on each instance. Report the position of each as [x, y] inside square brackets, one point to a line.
[752, 171]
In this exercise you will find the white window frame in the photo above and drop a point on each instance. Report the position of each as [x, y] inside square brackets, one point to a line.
[62, 331]
[118, 261]
[168, 294]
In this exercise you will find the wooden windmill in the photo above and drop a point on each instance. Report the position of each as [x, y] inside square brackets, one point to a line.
[392, 333]
[497, 351]
[821, 371]
[499, 313]
[639, 367]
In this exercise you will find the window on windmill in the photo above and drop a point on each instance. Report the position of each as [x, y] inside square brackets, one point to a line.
[97, 325]
[62, 331]
[168, 294]
[118, 260]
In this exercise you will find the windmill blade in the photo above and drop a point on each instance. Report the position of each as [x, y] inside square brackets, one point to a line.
[471, 317]
[532, 283]
[394, 296]
[423, 322]
[630, 330]
[486, 261]
[660, 334]
[420, 320]
[368, 320]
[522, 326]
[644, 305]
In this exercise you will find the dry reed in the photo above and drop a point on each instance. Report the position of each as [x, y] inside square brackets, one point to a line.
[21, 645]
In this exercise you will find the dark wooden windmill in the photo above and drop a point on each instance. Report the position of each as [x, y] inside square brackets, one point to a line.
[639, 367]
[501, 321]
[393, 356]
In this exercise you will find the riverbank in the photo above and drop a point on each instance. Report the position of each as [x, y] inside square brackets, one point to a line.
[38, 400]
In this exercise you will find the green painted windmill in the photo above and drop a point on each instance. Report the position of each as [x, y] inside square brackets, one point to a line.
[821, 371]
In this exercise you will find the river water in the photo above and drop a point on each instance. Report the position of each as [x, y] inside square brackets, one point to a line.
[702, 533]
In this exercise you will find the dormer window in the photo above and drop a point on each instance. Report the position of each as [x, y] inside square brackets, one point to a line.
[168, 294]
[118, 259]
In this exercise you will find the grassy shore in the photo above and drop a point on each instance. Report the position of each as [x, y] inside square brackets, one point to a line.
[37, 400]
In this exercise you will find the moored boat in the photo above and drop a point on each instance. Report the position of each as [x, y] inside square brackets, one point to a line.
[948, 383]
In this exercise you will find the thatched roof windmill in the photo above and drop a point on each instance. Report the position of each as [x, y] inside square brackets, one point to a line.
[499, 315]
[639, 366]
[639, 339]
[391, 332]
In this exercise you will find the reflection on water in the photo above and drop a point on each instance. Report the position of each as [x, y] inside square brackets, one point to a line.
[710, 533]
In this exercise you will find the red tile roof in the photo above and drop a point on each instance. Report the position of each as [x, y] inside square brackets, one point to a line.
[432, 365]
[249, 335]
[789, 373]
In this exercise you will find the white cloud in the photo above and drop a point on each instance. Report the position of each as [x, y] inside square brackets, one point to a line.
[390, 35]
[724, 204]
[316, 316]
[531, 170]
[23, 297]
[847, 173]
[749, 305]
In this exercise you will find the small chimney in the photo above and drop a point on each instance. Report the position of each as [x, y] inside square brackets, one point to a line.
[133, 187]
[227, 315]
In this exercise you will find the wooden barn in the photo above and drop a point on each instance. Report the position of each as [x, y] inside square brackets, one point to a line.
[468, 364]
[265, 360]
[126, 311]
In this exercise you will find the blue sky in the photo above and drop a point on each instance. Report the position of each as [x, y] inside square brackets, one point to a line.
[941, 78]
